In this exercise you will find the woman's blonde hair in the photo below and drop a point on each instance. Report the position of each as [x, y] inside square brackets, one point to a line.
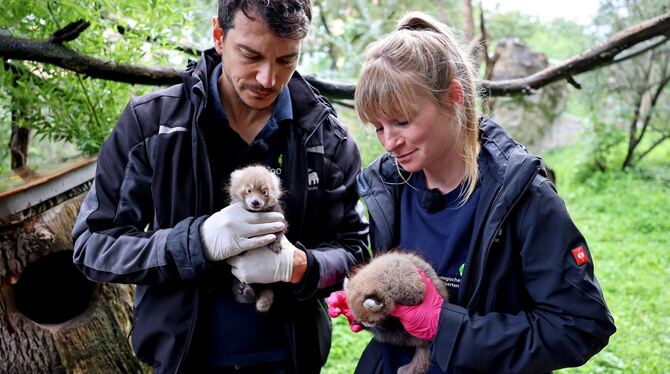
[421, 57]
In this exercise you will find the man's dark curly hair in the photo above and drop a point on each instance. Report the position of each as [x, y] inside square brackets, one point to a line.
[285, 18]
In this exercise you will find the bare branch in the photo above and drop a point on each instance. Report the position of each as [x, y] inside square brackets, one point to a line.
[331, 89]
[638, 53]
[54, 53]
[652, 105]
[57, 54]
[345, 103]
[654, 145]
[573, 82]
[635, 139]
[588, 60]
[70, 32]
[191, 50]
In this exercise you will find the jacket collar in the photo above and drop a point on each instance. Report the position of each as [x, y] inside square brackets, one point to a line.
[506, 162]
[307, 104]
[195, 77]
[506, 169]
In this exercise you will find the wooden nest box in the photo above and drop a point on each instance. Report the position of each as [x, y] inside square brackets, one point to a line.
[53, 319]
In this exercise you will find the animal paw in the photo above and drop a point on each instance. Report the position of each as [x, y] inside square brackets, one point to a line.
[275, 246]
[244, 293]
[264, 301]
[409, 369]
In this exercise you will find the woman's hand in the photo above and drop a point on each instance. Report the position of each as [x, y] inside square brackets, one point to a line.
[421, 320]
[337, 304]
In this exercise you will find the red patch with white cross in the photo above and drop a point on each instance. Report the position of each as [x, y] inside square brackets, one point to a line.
[580, 256]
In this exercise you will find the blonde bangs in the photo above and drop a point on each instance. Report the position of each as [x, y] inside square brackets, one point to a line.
[384, 92]
[420, 59]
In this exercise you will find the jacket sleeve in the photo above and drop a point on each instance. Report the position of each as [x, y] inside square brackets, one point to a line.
[329, 262]
[567, 322]
[112, 238]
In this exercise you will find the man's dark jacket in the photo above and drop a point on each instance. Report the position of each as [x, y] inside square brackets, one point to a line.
[140, 222]
[524, 304]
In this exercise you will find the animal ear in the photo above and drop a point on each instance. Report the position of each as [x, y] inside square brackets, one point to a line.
[373, 304]
[235, 174]
[277, 185]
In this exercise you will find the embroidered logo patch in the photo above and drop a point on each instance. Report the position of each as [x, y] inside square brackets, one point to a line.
[580, 256]
[312, 180]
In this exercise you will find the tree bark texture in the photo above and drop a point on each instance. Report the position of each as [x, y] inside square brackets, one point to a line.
[94, 340]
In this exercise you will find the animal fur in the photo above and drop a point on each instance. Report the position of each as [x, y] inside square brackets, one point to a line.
[259, 190]
[375, 289]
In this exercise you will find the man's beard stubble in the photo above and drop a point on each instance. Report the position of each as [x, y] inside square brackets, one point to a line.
[248, 86]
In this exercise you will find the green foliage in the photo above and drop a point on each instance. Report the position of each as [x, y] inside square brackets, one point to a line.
[341, 30]
[61, 105]
[600, 142]
[559, 39]
[625, 218]
[619, 99]
[346, 349]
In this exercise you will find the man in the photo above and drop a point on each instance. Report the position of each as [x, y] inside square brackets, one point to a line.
[158, 216]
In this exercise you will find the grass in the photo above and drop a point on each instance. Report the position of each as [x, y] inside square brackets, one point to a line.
[625, 218]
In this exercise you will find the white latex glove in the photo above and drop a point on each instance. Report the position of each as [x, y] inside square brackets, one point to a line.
[264, 266]
[233, 230]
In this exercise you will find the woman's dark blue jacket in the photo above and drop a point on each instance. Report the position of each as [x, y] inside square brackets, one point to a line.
[525, 305]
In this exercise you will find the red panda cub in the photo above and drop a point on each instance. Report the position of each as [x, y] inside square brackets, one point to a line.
[259, 190]
[374, 290]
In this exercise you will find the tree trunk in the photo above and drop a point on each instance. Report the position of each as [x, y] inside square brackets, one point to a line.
[52, 319]
[20, 136]
[469, 20]
[18, 146]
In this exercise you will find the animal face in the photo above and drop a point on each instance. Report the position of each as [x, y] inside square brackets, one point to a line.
[257, 197]
[256, 186]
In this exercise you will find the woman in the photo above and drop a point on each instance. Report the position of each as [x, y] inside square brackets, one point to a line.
[463, 194]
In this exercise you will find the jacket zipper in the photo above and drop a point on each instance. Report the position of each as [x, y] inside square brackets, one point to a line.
[472, 278]
[196, 118]
[498, 233]
[305, 139]
[196, 299]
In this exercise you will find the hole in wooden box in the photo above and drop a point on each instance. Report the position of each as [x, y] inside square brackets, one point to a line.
[51, 290]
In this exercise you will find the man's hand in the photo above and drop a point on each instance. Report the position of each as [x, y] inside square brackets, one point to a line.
[261, 265]
[421, 320]
[233, 230]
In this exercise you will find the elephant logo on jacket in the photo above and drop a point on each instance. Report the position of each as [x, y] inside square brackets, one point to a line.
[312, 179]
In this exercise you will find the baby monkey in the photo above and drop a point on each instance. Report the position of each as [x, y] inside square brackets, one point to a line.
[259, 190]
[374, 290]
